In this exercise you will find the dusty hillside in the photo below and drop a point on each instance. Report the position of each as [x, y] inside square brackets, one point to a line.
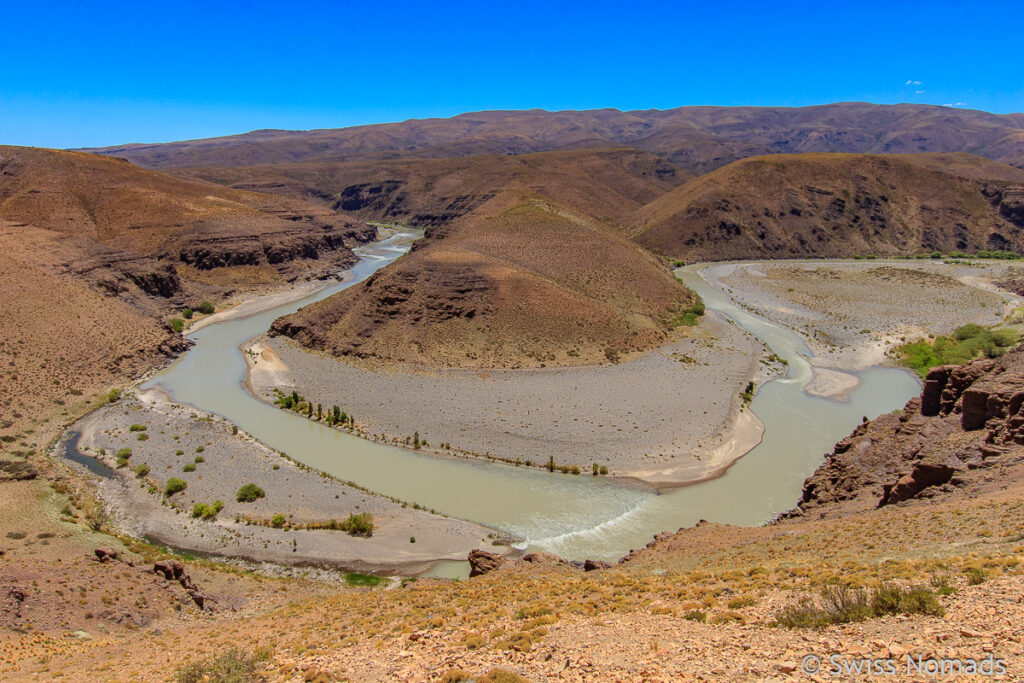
[525, 279]
[838, 205]
[62, 342]
[119, 206]
[699, 139]
[97, 253]
[608, 184]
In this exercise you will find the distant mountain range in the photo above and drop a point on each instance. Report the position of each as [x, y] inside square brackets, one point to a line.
[698, 139]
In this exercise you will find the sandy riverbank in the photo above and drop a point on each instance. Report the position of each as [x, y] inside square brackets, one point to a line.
[851, 313]
[176, 436]
[673, 415]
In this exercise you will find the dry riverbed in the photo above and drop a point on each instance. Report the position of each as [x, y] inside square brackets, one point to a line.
[851, 313]
[404, 540]
[672, 415]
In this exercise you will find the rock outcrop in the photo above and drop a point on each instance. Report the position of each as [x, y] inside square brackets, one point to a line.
[482, 562]
[968, 419]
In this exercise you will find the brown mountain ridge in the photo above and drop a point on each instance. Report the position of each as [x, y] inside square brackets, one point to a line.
[698, 139]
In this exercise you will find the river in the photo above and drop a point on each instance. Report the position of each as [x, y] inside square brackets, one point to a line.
[576, 517]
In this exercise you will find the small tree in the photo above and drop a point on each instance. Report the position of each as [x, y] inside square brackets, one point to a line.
[249, 493]
[551, 464]
[337, 414]
[416, 440]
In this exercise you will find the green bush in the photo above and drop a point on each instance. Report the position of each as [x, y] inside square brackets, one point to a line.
[842, 604]
[357, 525]
[205, 307]
[124, 453]
[277, 521]
[966, 343]
[249, 493]
[189, 467]
[200, 459]
[355, 579]
[186, 313]
[142, 470]
[174, 485]
[204, 511]
[176, 324]
[137, 428]
[696, 615]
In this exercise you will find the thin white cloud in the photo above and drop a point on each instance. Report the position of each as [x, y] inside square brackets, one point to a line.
[912, 82]
[918, 92]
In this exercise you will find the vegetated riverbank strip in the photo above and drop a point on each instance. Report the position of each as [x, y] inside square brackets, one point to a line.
[639, 420]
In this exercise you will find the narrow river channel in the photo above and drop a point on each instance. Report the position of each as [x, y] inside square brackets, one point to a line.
[574, 516]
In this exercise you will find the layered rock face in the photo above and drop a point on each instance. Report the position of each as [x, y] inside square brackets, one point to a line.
[968, 420]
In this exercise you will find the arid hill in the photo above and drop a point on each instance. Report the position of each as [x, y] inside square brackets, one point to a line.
[531, 272]
[699, 139]
[117, 207]
[609, 184]
[98, 252]
[838, 205]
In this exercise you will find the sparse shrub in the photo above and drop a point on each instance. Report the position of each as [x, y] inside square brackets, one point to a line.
[176, 324]
[179, 452]
[612, 355]
[186, 313]
[142, 437]
[124, 453]
[200, 449]
[174, 485]
[205, 307]
[200, 459]
[204, 511]
[233, 666]
[249, 493]
[696, 615]
[975, 576]
[842, 604]
[142, 470]
[137, 428]
[189, 467]
[741, 602]
[277, 521]
[726, 618]
[358, 525]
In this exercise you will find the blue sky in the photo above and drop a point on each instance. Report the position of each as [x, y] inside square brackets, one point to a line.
[101, 73]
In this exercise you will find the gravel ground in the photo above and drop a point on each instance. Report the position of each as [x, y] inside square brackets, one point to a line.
[668, 412]
[231, 460]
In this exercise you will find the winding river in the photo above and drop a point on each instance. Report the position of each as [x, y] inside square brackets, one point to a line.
[574, 516]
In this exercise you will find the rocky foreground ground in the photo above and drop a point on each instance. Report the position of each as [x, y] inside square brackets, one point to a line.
[704, 603]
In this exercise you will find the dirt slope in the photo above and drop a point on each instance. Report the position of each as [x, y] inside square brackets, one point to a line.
[98, 252]
[838, 205]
